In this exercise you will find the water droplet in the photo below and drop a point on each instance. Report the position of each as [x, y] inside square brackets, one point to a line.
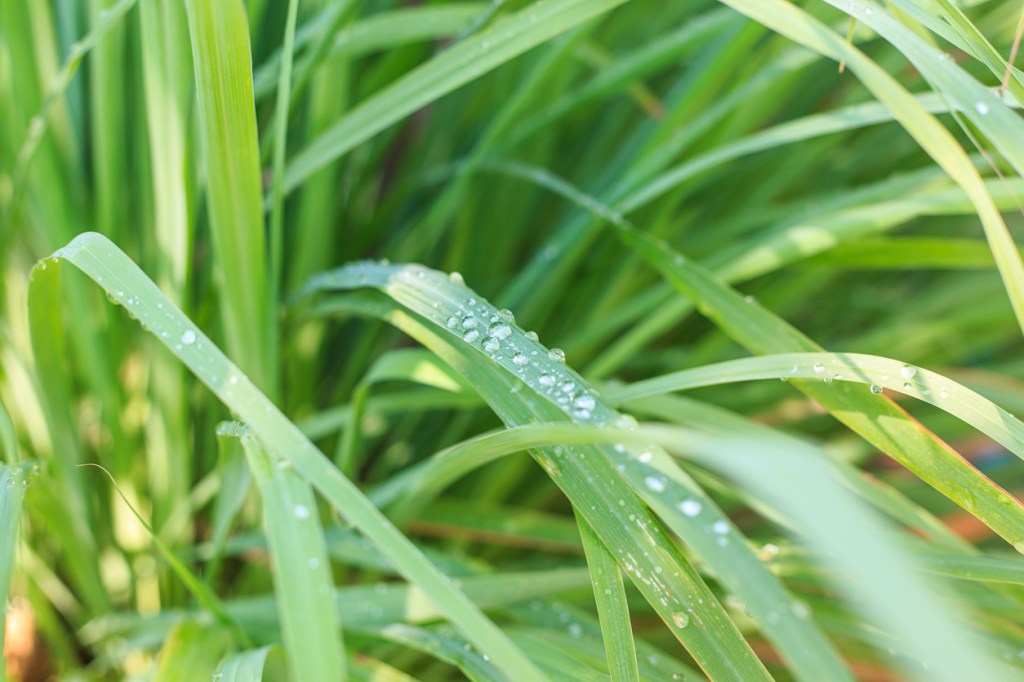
[943, 394]
[655, 484]
[520, 359]
[680, 619]
[532, 336]
[801, 609]
[575, 630]
[818, 368]
[233, 380]
[908, 372]
[456, 278]
[492, 345]
[452, 322]
[313, 562]
[506, 315]
[469, 322]
[301, 511]
[546, 380]
[188, 337]
[556, 354]
[499, 330]
[981, 108]
[585, 402]
[471, 336]
[875, 388]
[690, 508]
[644, 457]
[721, 527]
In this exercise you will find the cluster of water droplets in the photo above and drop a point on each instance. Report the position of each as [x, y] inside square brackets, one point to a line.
[542, 369]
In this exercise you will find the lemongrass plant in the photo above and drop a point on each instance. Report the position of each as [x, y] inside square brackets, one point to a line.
[515, 340]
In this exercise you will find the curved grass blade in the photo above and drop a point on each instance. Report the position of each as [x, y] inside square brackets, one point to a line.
[877, 372]
[122, 279]
[518, 363]
[302, 572]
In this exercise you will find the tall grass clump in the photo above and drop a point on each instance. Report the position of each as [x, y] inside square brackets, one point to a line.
[515, 340]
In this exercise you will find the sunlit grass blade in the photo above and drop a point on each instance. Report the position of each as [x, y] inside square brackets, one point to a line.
[123, 280]
[223, 72]
[302, 572]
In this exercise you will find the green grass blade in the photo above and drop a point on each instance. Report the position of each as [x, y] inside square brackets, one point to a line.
[223, 71]
[610, 595]
[302, 571]
[123, 280]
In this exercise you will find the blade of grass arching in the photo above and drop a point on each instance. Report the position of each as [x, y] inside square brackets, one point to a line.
[876, 372]
[983, 108]
[223, 73]
[379, 31]
[610, 597]
[856, 543]
[205, 596]
[115, 272]
[254, 665]
[280, 145]
[877, 419]
[552, 390]
[13, 480]
[191, 653]
[456, 66]
[302, 572]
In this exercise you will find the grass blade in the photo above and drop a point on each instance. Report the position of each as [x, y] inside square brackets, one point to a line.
[123, 280]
